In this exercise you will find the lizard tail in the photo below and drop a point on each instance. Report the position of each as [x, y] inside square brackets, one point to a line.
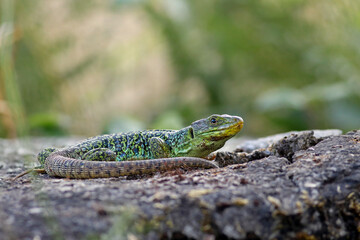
[62, 166]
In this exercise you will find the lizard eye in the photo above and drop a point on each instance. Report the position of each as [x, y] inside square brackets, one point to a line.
[213, 120]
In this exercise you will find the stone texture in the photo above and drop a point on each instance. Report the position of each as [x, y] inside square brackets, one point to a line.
[301, 186]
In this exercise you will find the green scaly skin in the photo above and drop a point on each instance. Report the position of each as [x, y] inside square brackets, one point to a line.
[142, 152]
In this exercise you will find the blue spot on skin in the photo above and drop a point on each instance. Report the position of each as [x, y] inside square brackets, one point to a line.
[121, 157]
[136, 151]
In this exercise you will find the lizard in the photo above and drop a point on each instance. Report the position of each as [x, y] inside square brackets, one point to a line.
[141, 152]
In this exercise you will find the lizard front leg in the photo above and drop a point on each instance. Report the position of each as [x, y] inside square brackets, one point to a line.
[158, 148]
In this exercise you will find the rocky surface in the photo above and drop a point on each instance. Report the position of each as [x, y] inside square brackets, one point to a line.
[299, 186]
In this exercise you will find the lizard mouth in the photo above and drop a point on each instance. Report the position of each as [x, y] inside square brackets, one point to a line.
[233, 127]
[236, 127]
[227, 130]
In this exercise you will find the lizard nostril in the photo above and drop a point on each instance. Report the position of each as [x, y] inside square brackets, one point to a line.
[239, 119]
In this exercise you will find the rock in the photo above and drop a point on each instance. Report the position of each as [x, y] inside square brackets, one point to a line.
[289, 145]
[301, 186]
[265, 142]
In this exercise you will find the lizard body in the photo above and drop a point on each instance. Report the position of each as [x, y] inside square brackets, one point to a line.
[142, 152]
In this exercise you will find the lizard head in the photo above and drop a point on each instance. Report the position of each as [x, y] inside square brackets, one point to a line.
[209, 134]
[217, 127]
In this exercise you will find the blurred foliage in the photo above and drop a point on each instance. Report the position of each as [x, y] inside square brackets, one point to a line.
[88, 67]
[284, 65]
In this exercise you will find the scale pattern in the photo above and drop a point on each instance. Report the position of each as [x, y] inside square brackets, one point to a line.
[61, 166]
[127, 146]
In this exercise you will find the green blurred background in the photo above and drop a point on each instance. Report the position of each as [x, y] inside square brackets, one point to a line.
[91, 67]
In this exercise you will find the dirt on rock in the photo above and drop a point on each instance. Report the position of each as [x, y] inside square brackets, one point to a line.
[299, 186]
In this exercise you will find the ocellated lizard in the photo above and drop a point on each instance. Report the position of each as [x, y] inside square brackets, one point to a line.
[141, 152]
